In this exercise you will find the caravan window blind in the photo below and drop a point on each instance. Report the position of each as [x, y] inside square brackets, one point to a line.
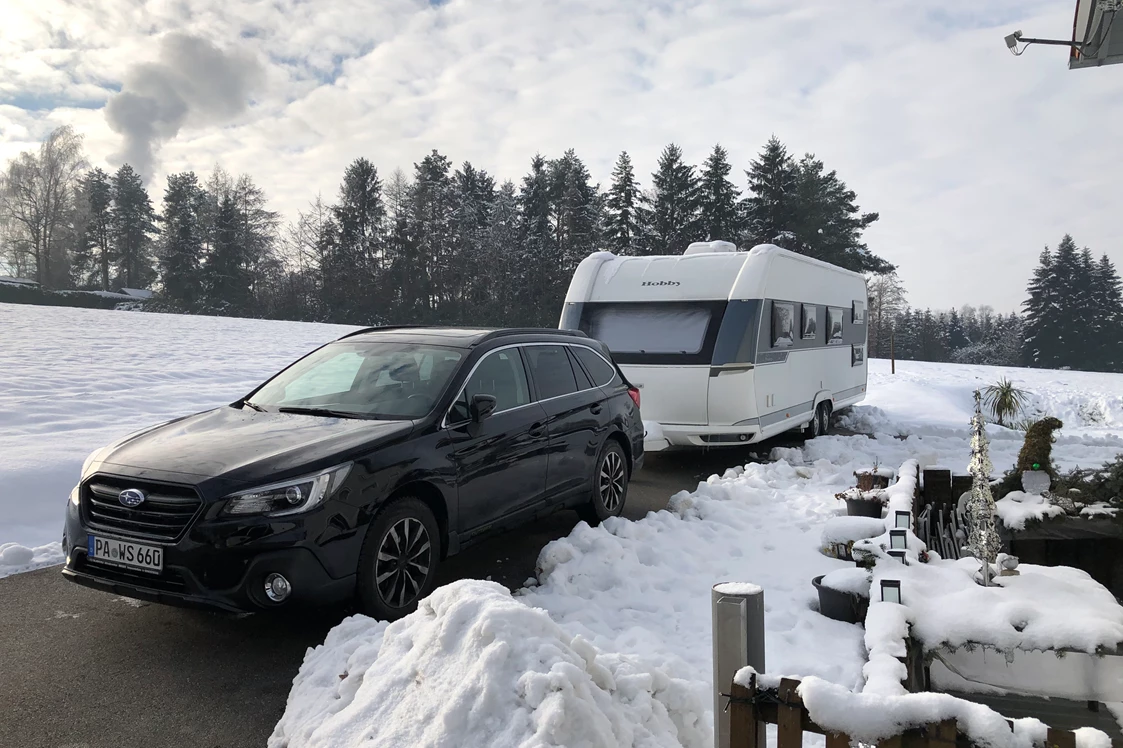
[649, 328]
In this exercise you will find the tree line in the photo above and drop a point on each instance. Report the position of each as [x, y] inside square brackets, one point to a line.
[1073, 318]
[441, 245]
[454, 245]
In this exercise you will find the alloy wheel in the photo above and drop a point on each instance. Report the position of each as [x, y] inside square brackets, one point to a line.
[611, 483]
[403, 562]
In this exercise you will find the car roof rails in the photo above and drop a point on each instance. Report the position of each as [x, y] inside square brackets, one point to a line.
[531, 331]
[379, 328]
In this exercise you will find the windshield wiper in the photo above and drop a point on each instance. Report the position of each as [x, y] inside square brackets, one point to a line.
[322, 412]
[258, 408]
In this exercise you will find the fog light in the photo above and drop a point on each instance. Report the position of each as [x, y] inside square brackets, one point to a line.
[277, 588]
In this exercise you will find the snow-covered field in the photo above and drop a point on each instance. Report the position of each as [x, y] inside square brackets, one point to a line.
[614, 648]
[74, 380]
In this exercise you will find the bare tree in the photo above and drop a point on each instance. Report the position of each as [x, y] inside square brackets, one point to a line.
[37, 197]
[887, 300]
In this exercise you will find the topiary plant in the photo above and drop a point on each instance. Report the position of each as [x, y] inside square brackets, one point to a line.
[1037, 451]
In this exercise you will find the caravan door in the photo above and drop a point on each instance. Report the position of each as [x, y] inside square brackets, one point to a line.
[664, 348]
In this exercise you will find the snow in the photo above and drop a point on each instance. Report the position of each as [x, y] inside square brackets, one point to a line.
[853, 580]
[849, 529]
[612, 636]
[743, 589]
[75, 380]
[1016, 508]
[476, 664]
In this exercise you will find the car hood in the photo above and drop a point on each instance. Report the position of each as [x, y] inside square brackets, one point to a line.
[242, 446]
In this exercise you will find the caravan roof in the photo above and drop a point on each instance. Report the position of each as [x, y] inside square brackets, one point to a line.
[765, 271]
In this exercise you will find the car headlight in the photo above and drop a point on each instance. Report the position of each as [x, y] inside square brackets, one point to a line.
[288, 497]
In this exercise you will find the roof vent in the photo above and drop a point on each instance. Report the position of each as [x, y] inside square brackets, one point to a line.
[698, 248]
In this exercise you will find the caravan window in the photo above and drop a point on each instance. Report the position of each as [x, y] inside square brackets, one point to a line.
[834, 325]
[810, 322]
[859, 313]
[783, 324]
[648, 328]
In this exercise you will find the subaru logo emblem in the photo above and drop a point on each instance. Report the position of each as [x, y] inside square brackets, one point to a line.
[131, 497]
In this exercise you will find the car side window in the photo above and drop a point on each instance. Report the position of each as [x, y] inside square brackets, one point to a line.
[552, 371]
[583, 381]
[500, 374]
[600, 370]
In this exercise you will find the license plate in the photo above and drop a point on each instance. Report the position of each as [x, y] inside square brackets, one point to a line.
[123, 553]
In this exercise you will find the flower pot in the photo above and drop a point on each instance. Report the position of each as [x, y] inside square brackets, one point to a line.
[864, 508]
[1036, 482]
[841, 606]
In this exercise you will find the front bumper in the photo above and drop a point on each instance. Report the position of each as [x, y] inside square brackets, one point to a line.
[199, 572]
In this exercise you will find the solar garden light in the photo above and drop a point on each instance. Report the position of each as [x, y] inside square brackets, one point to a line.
[902, 520]
[898, 540]
[891, 591]
[899, 555]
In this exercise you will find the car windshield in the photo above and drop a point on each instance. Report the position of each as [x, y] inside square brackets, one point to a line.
[362, 379]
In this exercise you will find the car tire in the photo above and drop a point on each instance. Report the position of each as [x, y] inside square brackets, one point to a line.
[399, 560]
[610, 485]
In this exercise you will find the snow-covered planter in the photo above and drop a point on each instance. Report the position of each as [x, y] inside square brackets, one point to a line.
[844, 594]
[861, 503]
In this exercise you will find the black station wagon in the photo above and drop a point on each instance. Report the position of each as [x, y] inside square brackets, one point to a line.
[357, 470]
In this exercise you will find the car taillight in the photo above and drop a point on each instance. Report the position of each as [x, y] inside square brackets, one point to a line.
[634, 394]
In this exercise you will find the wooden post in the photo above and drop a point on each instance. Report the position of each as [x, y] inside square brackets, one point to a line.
[892, 353]
[743, 731]
[789, 716]
[893, 742]
[838, 740]
[1060, 739]
[942, 735]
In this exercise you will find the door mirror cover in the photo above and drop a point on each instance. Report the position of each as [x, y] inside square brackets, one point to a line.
[481, 407]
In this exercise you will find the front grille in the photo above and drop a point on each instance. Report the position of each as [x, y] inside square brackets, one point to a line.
[165, 581]
[164, 515]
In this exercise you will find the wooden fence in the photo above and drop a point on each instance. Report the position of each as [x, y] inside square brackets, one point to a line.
[750, 709]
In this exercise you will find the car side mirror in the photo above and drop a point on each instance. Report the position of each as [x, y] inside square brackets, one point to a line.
[481, 407]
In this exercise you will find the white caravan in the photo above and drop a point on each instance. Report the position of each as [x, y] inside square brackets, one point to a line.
[727, 347]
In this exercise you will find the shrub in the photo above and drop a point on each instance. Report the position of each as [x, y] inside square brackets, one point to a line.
[1004, 400]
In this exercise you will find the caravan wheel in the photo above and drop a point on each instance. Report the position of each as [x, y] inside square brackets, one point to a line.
[823, 415]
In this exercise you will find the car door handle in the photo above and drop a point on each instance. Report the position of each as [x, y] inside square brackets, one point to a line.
[596, 409]
[537, 429]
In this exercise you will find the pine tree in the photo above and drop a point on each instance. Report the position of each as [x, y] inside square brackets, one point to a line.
[1107, 304]
[576, 213]
[625, 216]
[674, 204]
[983, 542]
[184, 234]
[536, 246]
[226, 275]
[828, 224]
[502, 243]
[96, 240]
[474, 193]
[719, 214]
[132, 225]
[355, 267]
[956, 335]
[770, 209]
[432, 203]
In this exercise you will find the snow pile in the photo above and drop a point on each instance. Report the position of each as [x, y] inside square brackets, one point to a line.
[855, 580]
[1043, 607]
[475, 667]
[643, 587]
[849, 529]
[15, 558]
[68, 391]
[1016, 508]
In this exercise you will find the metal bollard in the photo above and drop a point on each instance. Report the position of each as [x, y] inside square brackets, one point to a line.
[738, 640]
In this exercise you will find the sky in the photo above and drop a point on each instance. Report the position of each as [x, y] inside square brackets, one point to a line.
[975, 159]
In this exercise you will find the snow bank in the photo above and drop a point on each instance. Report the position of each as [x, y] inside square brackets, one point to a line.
[475, 667]
[16, 558]
[1016, 508]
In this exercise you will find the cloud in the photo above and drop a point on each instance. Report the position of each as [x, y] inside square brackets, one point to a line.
[194, 82]
[974, 159]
